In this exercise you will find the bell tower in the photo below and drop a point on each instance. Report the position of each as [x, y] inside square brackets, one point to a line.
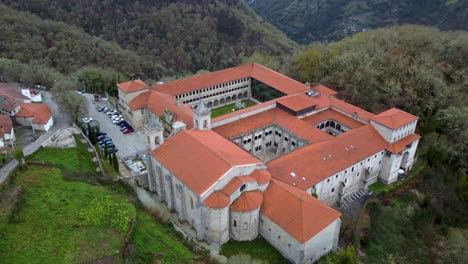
[154, 132]
[201, 117]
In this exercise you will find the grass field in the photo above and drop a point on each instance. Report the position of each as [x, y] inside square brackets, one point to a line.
[75, 159]
[46, 217]
[258, 249]
[44, 225]
[228, 108]
[156, 243]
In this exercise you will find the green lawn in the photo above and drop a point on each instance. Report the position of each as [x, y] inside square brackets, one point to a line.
[75, 159]
[46, 226]
[156, 243]
[228, 108]
[47, 217]
[258, 249]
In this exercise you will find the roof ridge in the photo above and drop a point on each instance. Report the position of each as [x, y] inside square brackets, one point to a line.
[189, 132]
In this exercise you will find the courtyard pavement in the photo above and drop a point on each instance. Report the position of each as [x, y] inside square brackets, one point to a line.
[127, 144]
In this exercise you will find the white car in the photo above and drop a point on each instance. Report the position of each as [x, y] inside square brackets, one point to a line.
[87, 120]
[115, 121]
[114, 117]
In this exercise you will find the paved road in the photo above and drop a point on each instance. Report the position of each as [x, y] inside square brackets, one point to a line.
[128, 144]
[61, 120]
[5, 170]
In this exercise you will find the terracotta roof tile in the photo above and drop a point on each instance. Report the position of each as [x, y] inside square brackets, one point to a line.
[5, 125]
[247, 201]
[274, 79]
[350, 109]
[324, 90]
[262, 176]
[157, 102]
[132, 86]
[140, 101]
[273, 116]
[200, 148]
[39, 112]
[8, 104]
[330, 114]
[319, 161]
[217, 200]
[13, 91]
[295, 211]
[394, 118]
[400, 145]
[235, 183]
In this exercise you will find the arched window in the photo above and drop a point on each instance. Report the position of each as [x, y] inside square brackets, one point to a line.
[196, 123]
[205, 124]
[235, 223]
[157, 141]
[191, 202]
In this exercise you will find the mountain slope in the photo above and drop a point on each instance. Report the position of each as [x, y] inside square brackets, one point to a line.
[313, 20]
[185, 35]
[30, 39]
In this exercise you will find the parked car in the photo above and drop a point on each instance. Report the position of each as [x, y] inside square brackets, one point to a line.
[116, 121]
[100, 133]
[100, 109]
[112, 150]
[87, 120]
[101, 137]
[128, 130]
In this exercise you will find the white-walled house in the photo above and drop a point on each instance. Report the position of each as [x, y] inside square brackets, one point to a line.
[7, 133]
[37, 115]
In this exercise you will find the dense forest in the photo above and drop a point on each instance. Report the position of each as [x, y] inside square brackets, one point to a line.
[185, 36]
[319, 20]
[425, 72]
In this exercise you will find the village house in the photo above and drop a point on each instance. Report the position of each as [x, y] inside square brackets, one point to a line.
[7, 134]
[37, 116]
[273, 169]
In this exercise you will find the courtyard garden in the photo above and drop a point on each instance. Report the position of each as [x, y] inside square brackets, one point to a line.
[229, 108]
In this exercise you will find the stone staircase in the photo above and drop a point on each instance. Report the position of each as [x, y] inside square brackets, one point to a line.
[351, 198]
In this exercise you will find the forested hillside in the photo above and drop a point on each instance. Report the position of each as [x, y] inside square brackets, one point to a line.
[29, 39]
[184, 35]
[317, 20]
[425, 72]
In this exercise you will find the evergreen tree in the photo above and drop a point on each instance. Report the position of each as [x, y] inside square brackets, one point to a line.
[92, 134]
[115, 162]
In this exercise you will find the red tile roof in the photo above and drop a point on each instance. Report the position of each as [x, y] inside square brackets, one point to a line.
[302, 101]
[262, 176]
[295, 211]
[394, 118]
[140, 101]
[319, 161]
[200, 158]
[400, 145]
[235, 183]
[8, 104]
[330, 114]
[248, 201]
[39, 112]
[13, 91]
[5, 125]
[273, 116]
[157, 102]
[324, 90]
[274, 79]
[217, 200]
[132, 86]
[350, 109]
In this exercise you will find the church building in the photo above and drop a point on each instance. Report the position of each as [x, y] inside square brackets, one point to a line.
[273, 168]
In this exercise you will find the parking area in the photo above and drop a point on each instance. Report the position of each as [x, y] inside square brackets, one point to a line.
[127, 144]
